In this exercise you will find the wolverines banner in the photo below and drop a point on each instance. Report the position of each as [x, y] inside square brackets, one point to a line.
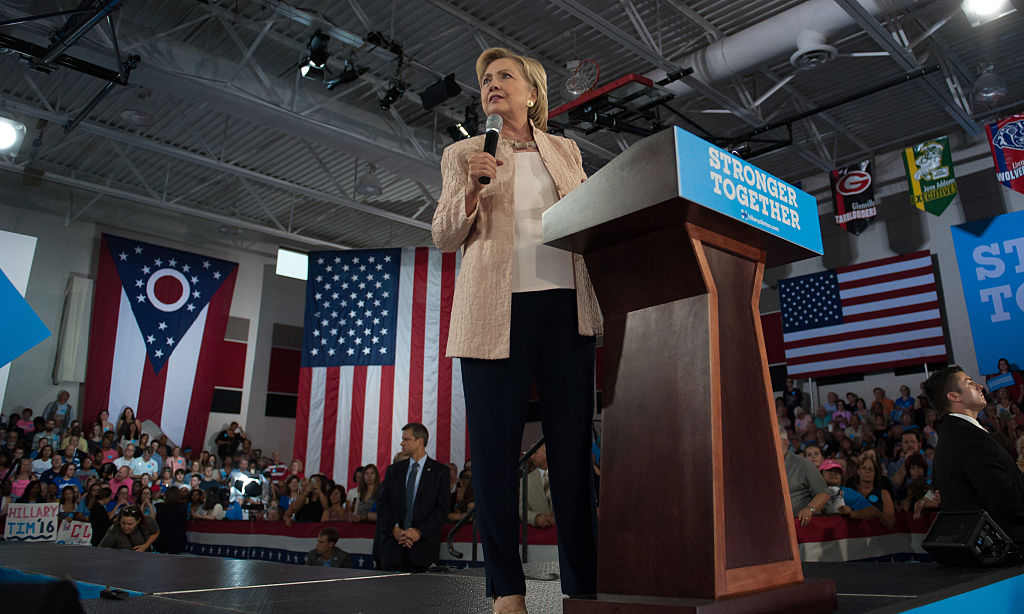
[930, 175]
[1006, 137]
[853, 197]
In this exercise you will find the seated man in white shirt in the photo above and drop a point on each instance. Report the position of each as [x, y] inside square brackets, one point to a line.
[144, 465]
[539, 512]
[126, 459]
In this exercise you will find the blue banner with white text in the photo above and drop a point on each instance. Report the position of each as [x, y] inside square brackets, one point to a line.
[990, 256]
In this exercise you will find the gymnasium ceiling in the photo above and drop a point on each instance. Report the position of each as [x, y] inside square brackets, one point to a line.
[216, 124]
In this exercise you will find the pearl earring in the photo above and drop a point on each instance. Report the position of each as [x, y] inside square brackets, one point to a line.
[529, 103]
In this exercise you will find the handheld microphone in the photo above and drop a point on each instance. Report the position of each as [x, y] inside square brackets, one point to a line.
[493, 127]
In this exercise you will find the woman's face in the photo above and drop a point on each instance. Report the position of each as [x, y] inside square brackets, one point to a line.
[34, 491]
[122, 494]
[813, 454]
[504, 90]
[336, 497]
[129, 414]
[69, 471]
[1004, 366]
[915, 472]
[904, 391]
[866, 471]
[294, 485]
[145, 496]
[176, 452]
[832, 398]
[840, 405]
[104, 415]
[370, 475]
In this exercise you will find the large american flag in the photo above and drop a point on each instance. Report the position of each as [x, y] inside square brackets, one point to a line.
[373, 359]
[865, 317]
[158, 323]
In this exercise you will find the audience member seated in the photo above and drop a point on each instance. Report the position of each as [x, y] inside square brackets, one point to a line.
[49, 433]
[369, 492]
[213, 507]
[916, 483]
[126, 459]
[327, 553]
[170, 515]
[843, 500]
[209, 480]
[67, 477]
[841, 416]
[813, 453]
[144, 465]
[145, 502]
[53, 472]
[869, 483]
[129, 434]
[196, 498]
[803, 423]
[539, 511]
[176, 461]
[131, 530]
[25, 423]
[87, 470]
[276, 470]
[822, 418]
[123, 478]
[1016, 389]
[108, 451]
[45, 459]
[292, 489]
[807, 490]
[103, 419]
[33, 493]
[309, 506]
[463, 497]
[910, 445]
[352, 496]
[87, 501]
[122, 499]
[336, 510]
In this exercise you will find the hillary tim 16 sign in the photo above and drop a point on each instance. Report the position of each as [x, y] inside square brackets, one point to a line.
[1006, 137]
[721, 181]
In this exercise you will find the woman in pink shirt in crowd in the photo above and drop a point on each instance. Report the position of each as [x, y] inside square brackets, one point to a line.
[176, 461]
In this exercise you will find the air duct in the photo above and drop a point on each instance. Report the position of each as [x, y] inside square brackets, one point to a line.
[804, 27]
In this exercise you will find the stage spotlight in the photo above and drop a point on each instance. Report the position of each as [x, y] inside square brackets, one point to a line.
[12, 133]
[369, 183]
[349, 73]
[439, 92]
[395, 91]
[458, 132]
[979, 12]
[312, 66]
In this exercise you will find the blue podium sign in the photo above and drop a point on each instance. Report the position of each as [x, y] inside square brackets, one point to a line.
[732, 186]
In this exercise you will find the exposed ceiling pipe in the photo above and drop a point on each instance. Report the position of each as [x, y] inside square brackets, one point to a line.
[738, 53]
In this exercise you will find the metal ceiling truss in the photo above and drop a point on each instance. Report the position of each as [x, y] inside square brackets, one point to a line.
[906, 61]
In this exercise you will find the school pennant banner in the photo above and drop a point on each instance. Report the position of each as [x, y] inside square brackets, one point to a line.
[853, 197]
[1006, 138]
[930, 176]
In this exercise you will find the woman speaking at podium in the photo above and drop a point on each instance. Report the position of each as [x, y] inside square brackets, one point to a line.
[522, 312]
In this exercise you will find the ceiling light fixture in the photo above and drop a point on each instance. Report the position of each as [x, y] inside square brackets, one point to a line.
[980, 12]
[312, 66]
[349, 73]
[369, 183]
[12, 133]
[439, 92]
[989, 89]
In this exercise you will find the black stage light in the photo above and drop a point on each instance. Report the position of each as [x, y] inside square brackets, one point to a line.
[312, 66]
[457, 132]
[395, 91]
[439, 92]
[349, 73]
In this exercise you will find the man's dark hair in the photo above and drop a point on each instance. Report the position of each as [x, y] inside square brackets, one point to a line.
[916, 460]
[939, 385]
[330, 533]
[916, 434]
[418, 431]
[103, 493]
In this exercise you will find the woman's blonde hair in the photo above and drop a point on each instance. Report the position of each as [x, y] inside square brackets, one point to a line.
[535, 76]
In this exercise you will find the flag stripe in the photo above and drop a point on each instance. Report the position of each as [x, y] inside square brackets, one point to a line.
[180, 375]
[856, 335]
[403, 346]
[444, 364]
[317, 394]
[355, 442]
[106, 309]
[129, 361]
[431, 326]
[330, 421]
[371, 416]
[387, 401]
[419, 308]
[342, 435]
[867, 365]
[881, 313]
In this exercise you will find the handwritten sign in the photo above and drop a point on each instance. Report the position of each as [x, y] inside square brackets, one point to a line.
[75, 532]
[31, 522]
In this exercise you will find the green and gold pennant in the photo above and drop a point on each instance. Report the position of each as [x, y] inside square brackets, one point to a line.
[930, 175]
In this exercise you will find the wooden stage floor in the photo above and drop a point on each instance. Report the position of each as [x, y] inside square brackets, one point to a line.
[210, 584]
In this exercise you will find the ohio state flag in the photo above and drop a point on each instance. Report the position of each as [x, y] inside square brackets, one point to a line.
[158, 323]
[853, 197]
[1006, 138]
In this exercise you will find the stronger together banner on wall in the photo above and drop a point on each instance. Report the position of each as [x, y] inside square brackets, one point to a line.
[990, 255]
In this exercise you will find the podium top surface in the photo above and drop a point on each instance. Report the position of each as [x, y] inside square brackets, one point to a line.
[674, 177]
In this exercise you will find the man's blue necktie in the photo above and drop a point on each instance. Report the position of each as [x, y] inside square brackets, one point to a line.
[410, 492]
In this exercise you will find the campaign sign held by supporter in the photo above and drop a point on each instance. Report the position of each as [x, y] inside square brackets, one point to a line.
[75, 533]
[990, 256]
[31, 522]
[1006, 137]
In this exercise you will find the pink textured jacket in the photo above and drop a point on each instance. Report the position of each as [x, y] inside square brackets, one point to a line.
[482, 306]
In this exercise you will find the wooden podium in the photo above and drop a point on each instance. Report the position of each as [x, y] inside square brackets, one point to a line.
[695, 510]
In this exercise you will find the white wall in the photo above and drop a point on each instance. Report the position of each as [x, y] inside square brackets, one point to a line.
[902, 228]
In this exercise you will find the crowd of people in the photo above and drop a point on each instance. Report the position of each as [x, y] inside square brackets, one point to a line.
[138, 492]
[869, 458]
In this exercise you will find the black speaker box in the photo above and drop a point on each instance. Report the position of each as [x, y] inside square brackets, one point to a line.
[968, 539]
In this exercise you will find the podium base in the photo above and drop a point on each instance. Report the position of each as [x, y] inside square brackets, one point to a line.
[808, 597]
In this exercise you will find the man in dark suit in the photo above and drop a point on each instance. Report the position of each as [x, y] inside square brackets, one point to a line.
[972, 470]
[413, 504]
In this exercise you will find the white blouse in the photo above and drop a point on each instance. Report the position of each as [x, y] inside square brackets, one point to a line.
[536, 266]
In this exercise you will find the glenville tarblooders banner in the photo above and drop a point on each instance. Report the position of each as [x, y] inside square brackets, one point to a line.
[930, 175]
[1007, 140]
[853, 197]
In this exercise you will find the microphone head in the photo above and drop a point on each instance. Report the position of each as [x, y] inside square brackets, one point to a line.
[494, 123]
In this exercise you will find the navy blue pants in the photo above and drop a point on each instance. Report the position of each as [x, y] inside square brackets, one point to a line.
[546, 347]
